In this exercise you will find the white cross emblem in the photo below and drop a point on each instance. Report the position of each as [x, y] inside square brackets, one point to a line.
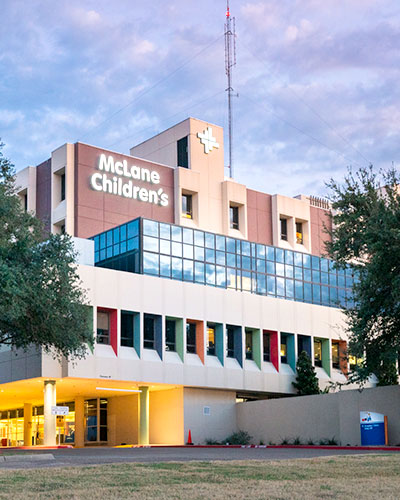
[208, 140]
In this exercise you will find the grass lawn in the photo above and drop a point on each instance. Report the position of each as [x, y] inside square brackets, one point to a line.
[365, 477]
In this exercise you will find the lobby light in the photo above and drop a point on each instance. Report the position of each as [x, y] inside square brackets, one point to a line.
[118, 390]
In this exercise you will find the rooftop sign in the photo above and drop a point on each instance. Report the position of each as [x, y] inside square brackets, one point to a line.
[208, 140]
[119, 179]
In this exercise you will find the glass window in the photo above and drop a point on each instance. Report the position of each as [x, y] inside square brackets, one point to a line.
[245, 248]
[316, 293]
[246, 263]
[249, 343]
[210, 255]
[298, 290]
[299, 233]
[261, 251]
[307, 292]
[289, 289]
[221, 277]
[231, 259]
[127, 328]
[210, 339]
[176, 233]
[231, 277]
[280, 287]
[199, 238]
[261, 284]
[165, 266]
[188, 251]
[62, 194]
[288, 271]
[165, 247]
[165, 231]
[150, 244]
[150, 228]
[103, 327]
[220, 243]
[246, 281]
[325, 278]
[230, 341]
[317, 352]
[188, 270]
[288, 257]
[176, 268]
[210, 240]
[220, 258]
[324, 265]
[176, 249]
[230, 245]
[316, 276]
[116, 235]
[123, 232]
[315, 262]
[307, 274]
[150, 263]
[271, 253]
[283, 348]
[298, 273]
[280, 269]
[199, 272]
[187, 206]
[234, 217]
[187, 235]
[335, 354]
[191, 337]
[280, 255]
[210, 274]
[148, 331]
[261, 265]
[170, 335]
[306, 260]
[333, 295]
[271, 288]
[199, 253]
[284, 231]
[325, 294]
[271, 267]
[266, 346]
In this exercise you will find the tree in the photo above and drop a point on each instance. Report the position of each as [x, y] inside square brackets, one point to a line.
[306, 378]
[366, 233]
[42, 302]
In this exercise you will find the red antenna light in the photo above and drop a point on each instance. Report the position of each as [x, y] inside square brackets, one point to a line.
[227, 13]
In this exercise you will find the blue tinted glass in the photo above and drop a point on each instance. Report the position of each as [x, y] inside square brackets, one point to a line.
[199, 253]
[288, 257]
[165, 231]
[132, 244]
[116, 250]
[288, 271]
[306, 260]
[176, 249]
[261, 251]
[210, 240]
[150, 227]
[231, 278]
[187, 235]
[245, 248]
[165, 246]
[316, 276]
[253, 264]
[246, 281]
[270, 253]
[349, 272]
[109, 238]
[280, 269]
[289, 289]
[102, 254]
[150, 263]
[122, 232]
[298, 290]
[176, 233]
[210, 255]
[230, 245]
[316, 293]
[246, 263]
[298, 259]
[123, 246]
[271, 289]
[349, 282]
[280, 287]
[280, 255]
[96, 240]
[261, 265]
[298, 273]
[102, 241]
[165, 266]
[261, 284]
[341, 297]
[315, 262]
[133, 228]
[199, 272]
[341, 281]
[231, 259]
[199, 238]
[150, 244]
[210, 274]
[334, 295]
[331, 265]
[325, 278]
[96, 257]
[188, 251]
[307, 292]
[221, 258]
[340, 272]
[116, 235]
[270, 267]
[176, 267]
[307, 274]
[221, 279]
[325, 294]
[324, 265]
[332, 279]
[188, 270]
[220, 243]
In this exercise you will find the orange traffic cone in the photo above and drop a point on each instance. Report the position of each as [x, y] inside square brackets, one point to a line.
[189, 441]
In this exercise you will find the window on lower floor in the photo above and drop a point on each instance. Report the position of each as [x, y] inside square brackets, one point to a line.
[284, 341]
[149, 335]
[266, 347]
[230, 342]
[127, 328]
[103, 327]
[187, 206]
[335, 355]
[62, 193]
[317, 352]
[96, 420]
[210, 339]
[170, 335]
[234, 217]
[249, 344]
[191, 337]
[284, 231]
[299, 233]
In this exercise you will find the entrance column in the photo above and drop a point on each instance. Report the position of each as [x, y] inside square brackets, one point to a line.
[144, 415]
[27, 424]
[49, 419]
[79, 441]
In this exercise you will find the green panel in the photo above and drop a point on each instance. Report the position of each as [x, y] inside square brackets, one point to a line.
[326, 356]
[179, 337]
[219, 342]
[257, 348]
[136, 333]
[291, 355]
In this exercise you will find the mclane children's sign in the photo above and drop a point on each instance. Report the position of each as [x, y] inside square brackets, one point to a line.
[119, 179]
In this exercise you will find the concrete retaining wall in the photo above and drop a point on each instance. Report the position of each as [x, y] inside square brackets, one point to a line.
[320, 417]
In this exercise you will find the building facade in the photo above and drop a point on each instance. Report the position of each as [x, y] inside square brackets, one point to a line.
[203, 294]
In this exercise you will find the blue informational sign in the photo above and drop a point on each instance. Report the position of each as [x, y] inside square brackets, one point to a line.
[372, 428]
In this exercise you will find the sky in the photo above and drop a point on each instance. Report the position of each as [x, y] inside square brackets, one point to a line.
[317, 81]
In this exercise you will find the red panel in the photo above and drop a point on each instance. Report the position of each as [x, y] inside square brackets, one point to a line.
[274, 348]
[113, 327]
[200, 340]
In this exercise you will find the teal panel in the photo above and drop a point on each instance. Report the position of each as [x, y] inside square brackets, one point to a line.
[219, 342]
[136, 333]
[326, 355]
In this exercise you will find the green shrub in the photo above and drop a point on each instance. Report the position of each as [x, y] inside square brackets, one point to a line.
[332, 441]
[212, 442]
[297, 441]
[285, 441]
[310, 442]
[240, 437]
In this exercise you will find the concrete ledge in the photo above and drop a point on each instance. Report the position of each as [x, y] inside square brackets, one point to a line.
[309, 447]
[36, 457]
[36, 448]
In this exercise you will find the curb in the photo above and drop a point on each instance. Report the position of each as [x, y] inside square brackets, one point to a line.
[306, 447]
[35, 448]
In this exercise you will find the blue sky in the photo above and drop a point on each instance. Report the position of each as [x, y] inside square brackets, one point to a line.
[318, 81]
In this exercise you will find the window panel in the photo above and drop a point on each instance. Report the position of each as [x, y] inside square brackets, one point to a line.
[150, 263]
[176, 249]
[187, 235]
[220, 243]
[199, 253]
[210, 274]
[271, 253]
[289, 289]
[210, 255]
[220, 258]
[261, 265]
[288, 271]
[230, 245]
[165, 247]
[187, 251]
[261, 284]
[231, 260]
[316, 293]
[210, 240]
[176, 233]
[261, 251]
[221, 277]
[133, 228]
[298, 290]
[165, 266]
[188, 270]
[150, 244]
[298, 273]
[199, 272]
[199, 238]
[150, 228]
[176, 268]
[246, 263]
[288, 257]
[280, 255]
[307, 292]
[231, 277]
[280, 287]
[165, 231]
[271, 286]
[280, 269]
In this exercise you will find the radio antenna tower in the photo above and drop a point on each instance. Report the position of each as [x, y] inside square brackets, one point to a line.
[230, 62]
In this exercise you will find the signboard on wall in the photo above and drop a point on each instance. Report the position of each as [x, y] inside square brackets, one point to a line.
[372, 426]
[59, 410]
